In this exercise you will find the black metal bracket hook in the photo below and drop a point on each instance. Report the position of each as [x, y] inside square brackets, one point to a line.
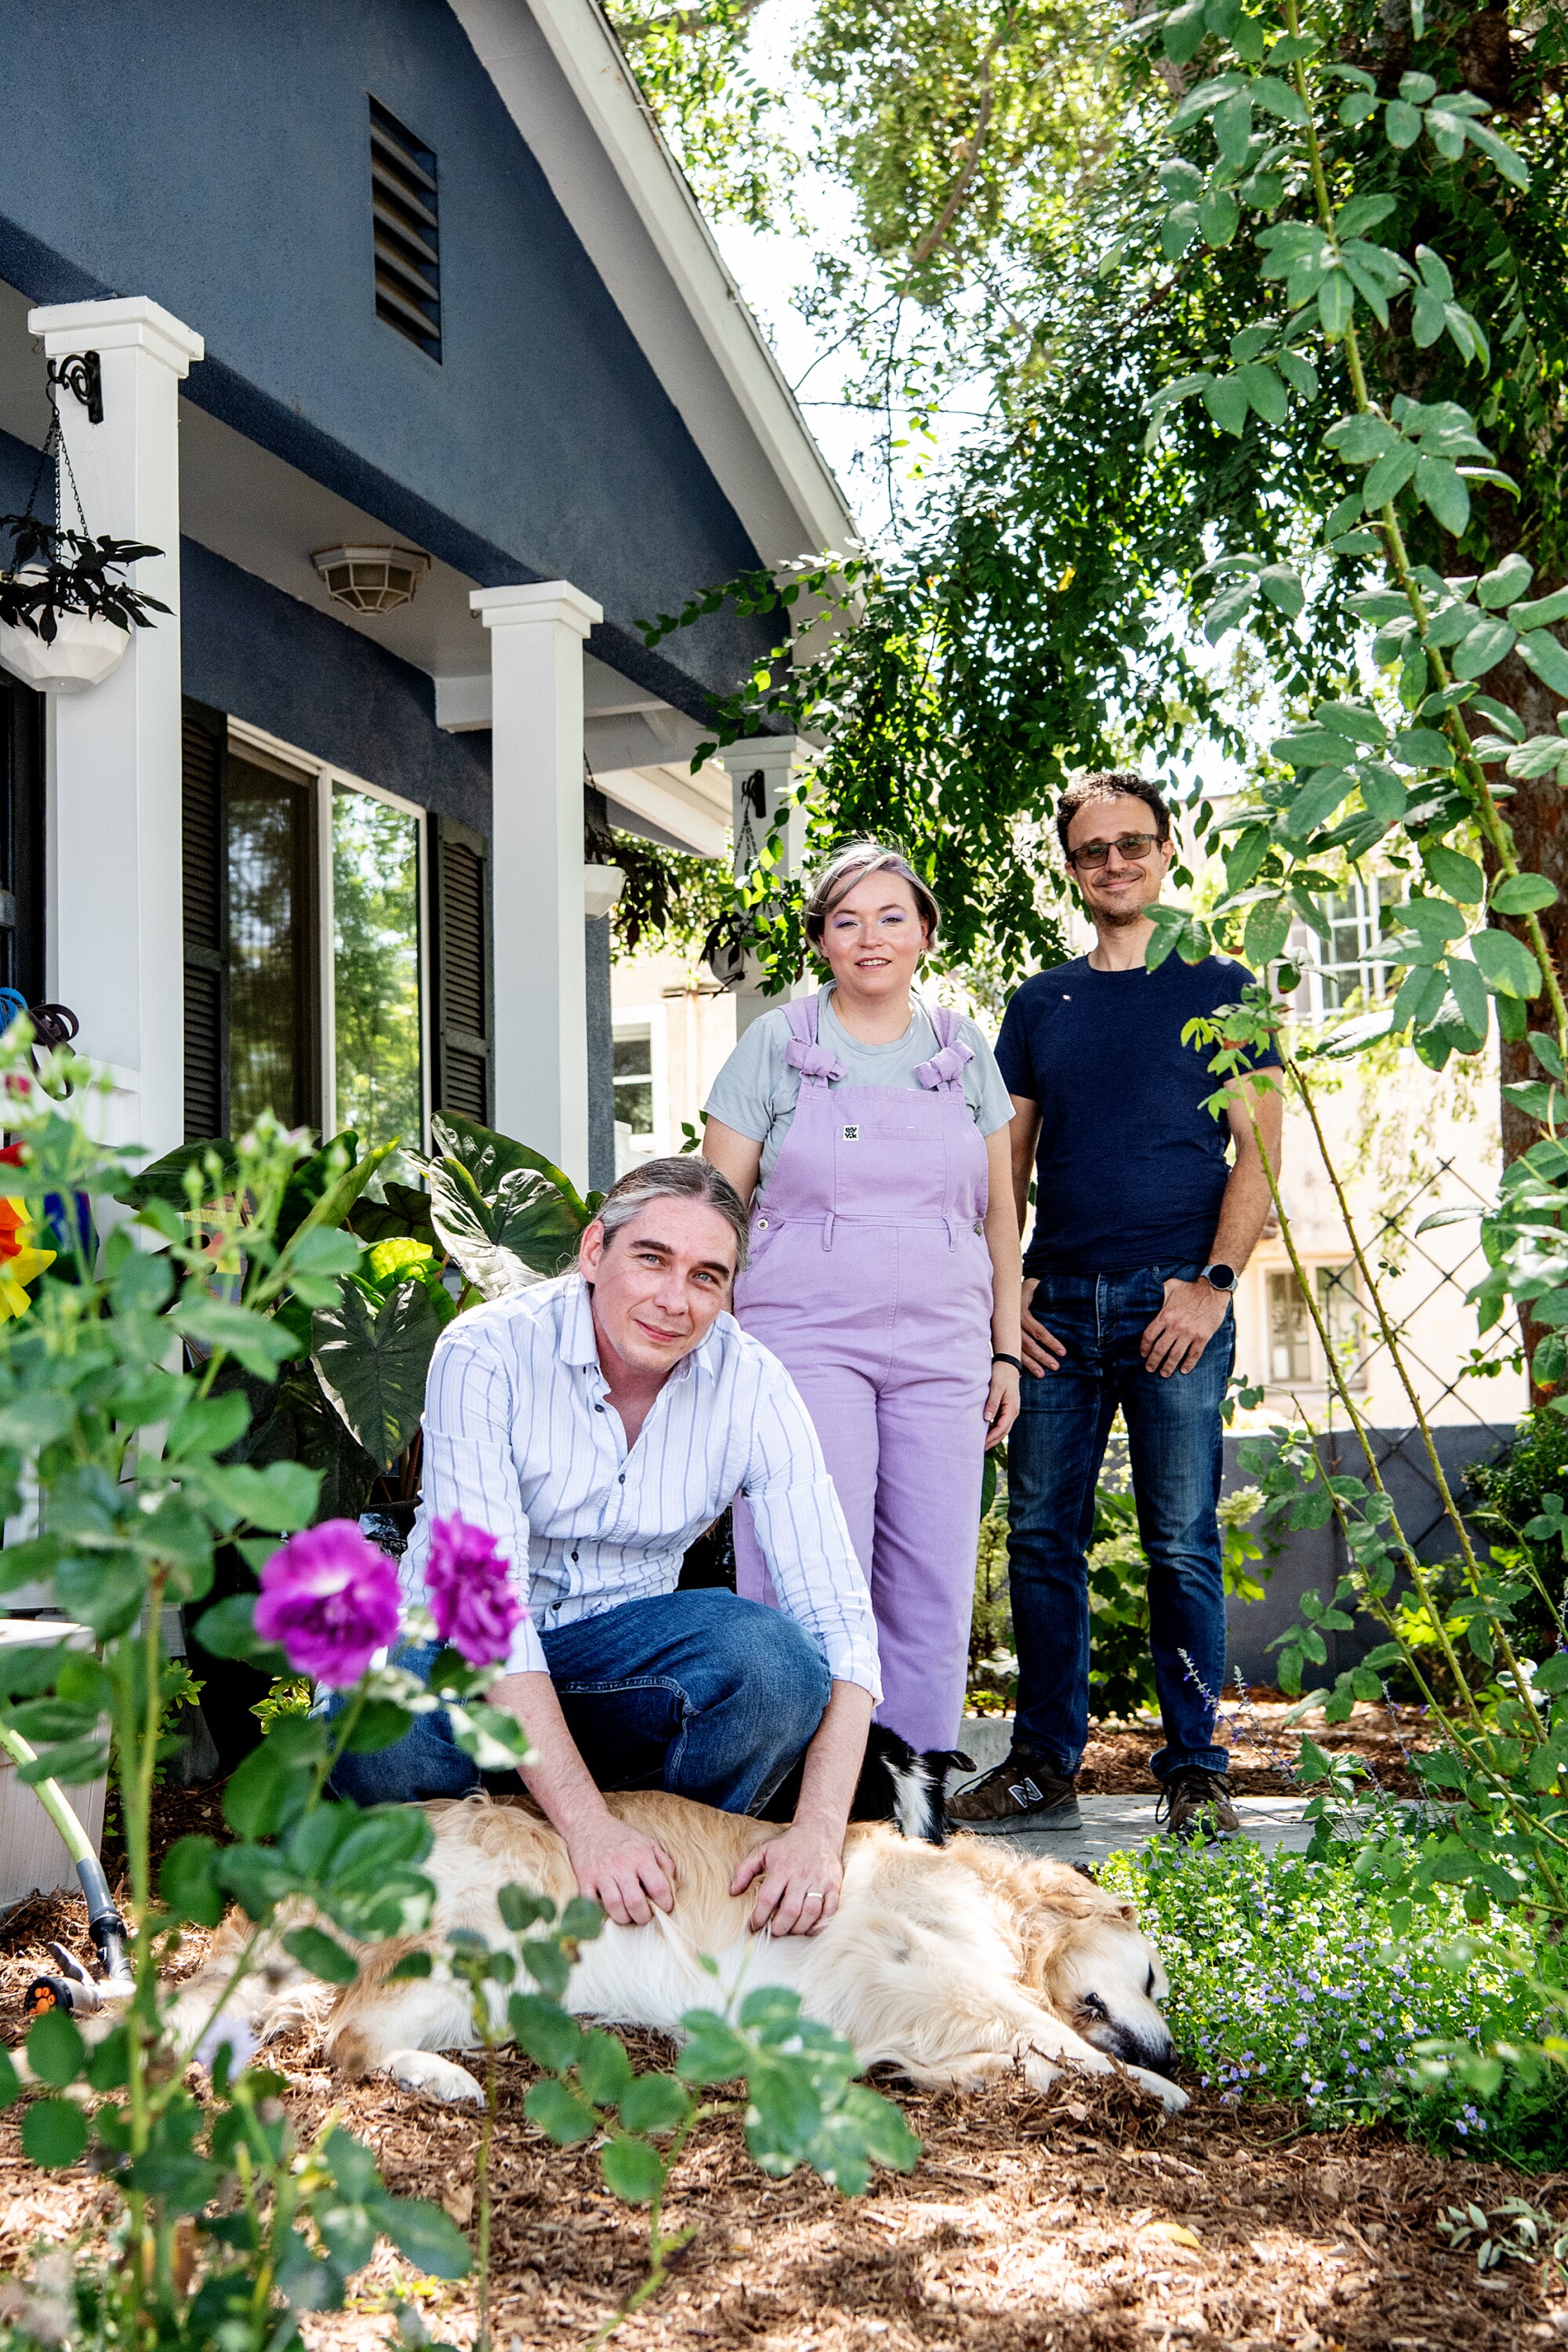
[81, 374]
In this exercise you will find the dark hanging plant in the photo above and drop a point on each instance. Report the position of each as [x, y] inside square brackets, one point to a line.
[70, 572]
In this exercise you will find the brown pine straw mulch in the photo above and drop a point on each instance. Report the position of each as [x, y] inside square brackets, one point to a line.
[1084, 2223]
[1116, 1761]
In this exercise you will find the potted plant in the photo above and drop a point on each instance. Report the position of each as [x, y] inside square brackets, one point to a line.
[66, 609]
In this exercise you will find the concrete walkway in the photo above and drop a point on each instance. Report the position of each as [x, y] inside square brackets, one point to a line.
[1113, 1824]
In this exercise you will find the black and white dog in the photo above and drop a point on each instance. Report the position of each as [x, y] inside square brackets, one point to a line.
[898, 1783]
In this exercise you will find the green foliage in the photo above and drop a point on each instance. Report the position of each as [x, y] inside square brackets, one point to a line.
[720, 119]
[371, 1356]
[798, 2094]
[289, 1695]
[1306, 1980]
[993, 1664]
[372, 1284]
[222, 1247]
[1522, 1497]
[1121, 1670]
[507, 1216]
[214, 1245]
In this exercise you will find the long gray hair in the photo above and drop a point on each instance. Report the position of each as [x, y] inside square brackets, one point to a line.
[681, 1177]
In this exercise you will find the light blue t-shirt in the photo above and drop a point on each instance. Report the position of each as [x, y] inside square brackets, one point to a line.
[756, 1091]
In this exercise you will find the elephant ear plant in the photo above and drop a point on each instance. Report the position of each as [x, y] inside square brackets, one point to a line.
[120, 1419]
[497, 1217]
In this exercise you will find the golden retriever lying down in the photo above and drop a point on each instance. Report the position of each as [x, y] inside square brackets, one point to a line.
[953, 1963]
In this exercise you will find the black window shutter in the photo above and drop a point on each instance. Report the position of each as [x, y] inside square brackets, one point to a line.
[204, 832]
[22, 840]
[460, 976]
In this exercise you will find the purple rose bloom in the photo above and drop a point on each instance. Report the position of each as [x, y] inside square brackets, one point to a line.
[329, 1600]
[470, 1592]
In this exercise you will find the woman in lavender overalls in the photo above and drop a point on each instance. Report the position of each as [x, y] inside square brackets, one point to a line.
[885, 1267]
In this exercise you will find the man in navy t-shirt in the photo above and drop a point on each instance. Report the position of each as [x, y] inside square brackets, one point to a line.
[1142, 1227]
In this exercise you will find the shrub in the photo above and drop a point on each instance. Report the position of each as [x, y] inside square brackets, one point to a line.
[1294, 1980]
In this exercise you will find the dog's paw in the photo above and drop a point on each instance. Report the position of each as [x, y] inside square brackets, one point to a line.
[233, 2033]
[1172, 2097]
[437, 2077]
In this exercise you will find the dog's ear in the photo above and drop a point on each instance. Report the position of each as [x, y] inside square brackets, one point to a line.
[1087, 1870]
[1129, 1912]
[947, 1759]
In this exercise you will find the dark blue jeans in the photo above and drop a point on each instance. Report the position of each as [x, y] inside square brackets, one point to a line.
[700, 1693]
[1054, 1457]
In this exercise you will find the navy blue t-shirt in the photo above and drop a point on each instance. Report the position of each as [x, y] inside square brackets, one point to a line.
[1132, 1169]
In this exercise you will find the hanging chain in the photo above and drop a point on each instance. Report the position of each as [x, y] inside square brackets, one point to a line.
[55, 447]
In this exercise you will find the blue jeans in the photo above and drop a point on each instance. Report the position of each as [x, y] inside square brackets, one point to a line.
[700, 1693]
[1054, 1457]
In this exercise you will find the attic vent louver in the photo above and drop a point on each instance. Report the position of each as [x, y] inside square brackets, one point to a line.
[407, 232]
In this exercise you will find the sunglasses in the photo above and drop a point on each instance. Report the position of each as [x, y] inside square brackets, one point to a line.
[1131, 847]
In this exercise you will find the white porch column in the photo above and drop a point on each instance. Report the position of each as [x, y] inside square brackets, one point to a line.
[540, 1047]
[765, 770]
[114, 923]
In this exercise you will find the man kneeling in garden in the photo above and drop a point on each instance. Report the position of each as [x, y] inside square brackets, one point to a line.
[596, 1425]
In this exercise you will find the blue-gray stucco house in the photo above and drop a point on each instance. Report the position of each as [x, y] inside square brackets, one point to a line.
[419, 279]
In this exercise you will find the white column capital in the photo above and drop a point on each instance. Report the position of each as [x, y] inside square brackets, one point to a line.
[133, 322]
[536, 602]
[774, 752]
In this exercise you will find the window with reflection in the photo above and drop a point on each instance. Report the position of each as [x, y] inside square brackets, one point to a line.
[1295, 1352]
[272, 1025]
[633, 1098]
[375, 968]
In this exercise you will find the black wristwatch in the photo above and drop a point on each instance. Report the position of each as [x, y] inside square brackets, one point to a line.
[1220, 1277]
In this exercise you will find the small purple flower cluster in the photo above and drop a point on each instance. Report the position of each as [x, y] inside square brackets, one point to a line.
[1290, 1979]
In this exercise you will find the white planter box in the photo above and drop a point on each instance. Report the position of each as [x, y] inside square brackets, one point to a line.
[32, 1859]
[85, 651]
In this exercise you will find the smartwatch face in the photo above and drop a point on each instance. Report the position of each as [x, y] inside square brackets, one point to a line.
[1221, 1277]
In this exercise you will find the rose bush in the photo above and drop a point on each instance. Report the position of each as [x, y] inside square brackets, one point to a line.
[122, 1437]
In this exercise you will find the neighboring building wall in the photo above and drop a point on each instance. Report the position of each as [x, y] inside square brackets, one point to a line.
[1406, 1141]
[673, 1030]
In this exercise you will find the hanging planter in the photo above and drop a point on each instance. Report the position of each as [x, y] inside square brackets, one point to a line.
[81, 649]
[67, 609]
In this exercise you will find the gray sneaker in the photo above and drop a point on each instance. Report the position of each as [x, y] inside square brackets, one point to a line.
[1024, 1793]
[1196, 1804]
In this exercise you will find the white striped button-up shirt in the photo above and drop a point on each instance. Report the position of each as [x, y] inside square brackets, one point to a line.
[519, 1438]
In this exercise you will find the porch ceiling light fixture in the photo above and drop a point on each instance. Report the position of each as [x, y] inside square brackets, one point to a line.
[371, 579]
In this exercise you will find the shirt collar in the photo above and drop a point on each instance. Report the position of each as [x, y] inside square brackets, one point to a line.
[578, 1344]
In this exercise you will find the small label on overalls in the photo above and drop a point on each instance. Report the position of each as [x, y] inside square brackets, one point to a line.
[851, 1134]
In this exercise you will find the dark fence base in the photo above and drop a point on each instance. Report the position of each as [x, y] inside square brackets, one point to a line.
[1314, 1559]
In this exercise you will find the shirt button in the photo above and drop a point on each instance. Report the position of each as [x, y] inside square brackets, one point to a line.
[979, 1225]
[574, 1555]
[761, 1224]
[598, 1408]
[622, 1479]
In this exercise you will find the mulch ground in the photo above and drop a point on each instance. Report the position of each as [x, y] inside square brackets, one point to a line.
[1116, 1761]
[1084, 2219]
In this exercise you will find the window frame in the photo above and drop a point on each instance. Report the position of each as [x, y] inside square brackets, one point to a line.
[1370, 894]
[326, 776]
[1317, 1383]
[628, 1020]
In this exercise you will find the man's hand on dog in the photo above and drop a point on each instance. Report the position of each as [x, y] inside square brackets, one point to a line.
[622, 1870]
[798, 1875]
